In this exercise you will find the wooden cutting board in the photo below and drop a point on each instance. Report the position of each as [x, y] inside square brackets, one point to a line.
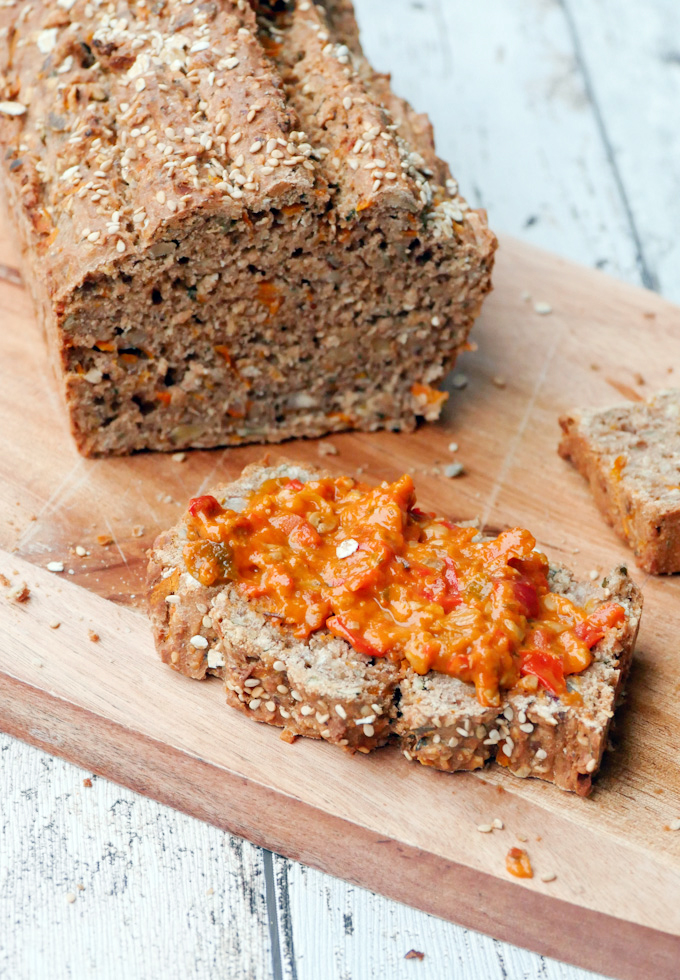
[396, 828]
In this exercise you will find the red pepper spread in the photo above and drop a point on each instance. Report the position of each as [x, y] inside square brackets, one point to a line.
[368, 565]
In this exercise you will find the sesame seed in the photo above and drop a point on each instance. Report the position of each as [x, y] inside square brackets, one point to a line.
[255, 147]
[541, 754]
[306, 709]
[347, 102]
[235, 137]
[296, 696]
[507, 747]
[593, 574]
[251, 682]
[254, 704]
[322, 719]
[339, 710]
[674, 825]
[120, 245]
[526, 727]
[454, 470]
[160, 197]
[591, 765]
[282, 689]
[346, 548]
[543, 309]
[484, 828]
[199, 642]
[548, 876]
[178, 457]
[12, 108]
[270, 706]
[369, 731]
[279, 665]
[498, 824]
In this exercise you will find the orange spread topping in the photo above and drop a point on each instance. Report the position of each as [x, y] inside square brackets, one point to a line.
[517, 863]
[366, 564]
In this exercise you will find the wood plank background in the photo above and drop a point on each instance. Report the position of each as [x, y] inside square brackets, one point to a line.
[560, 117]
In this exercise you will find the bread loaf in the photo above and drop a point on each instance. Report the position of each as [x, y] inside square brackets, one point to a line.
[232, 229]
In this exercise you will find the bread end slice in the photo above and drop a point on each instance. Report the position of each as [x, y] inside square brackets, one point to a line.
[629, 456]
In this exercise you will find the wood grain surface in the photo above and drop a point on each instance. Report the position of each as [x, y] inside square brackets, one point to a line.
[110, 705]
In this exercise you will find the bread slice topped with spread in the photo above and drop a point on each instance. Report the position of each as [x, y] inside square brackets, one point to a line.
[630, 455]
[342, 611]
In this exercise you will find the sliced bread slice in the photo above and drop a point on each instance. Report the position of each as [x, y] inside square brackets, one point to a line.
[324, 688]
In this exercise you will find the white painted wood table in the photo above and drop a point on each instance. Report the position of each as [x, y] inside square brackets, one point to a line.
[562, 118]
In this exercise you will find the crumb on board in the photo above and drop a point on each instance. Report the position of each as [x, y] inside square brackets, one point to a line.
[4, 580]
[548, 876]
[81, 552]
[453, 470]
[674, 825]
[210, 891]
[414, 954]
[104, 540]
[55, 566]
[137, 530]
[484, 828]
[19, 592]
[459, 380]
[80, 887]
[54, 624]
[179, 457]
[326, 449]
[453, 447]
[543, 308]
[87, 783]
[70, 897]
[499, 381]
[92, 636]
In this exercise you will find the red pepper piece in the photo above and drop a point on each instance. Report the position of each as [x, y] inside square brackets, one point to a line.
[527, 596]
[207, 505]
[592, 629]
[294, 485]
[356, 640]
[548, 669]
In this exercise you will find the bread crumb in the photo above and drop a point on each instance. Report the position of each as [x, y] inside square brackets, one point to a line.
[55, 566]
[137, 530]
[19, 592]
[498, 824]
[288, 736]
[674, 825]
[80, 887]
[453, 470]
[94, 637]
[548, 876]
[87, 783]
[210, 891]
[81, 552]
[593, 574]
[414, 954]
[54, 625]
[104, 540]
[4, 580]
[70, 897]
[499, 381]
[179, 457]
[326, 449]
[542, 308]
[526, 295]
[453, 447]
[459, 381]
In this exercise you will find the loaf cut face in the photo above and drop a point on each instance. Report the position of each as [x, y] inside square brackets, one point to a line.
[630, 456]
[325, 689]
[232, 228]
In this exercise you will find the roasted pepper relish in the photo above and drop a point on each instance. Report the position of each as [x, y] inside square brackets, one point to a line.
[368, 565]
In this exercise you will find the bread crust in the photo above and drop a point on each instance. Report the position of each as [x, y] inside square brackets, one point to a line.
[324, 689]
[630, 456]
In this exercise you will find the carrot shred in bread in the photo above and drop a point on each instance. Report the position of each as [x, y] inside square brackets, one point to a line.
[367, 565]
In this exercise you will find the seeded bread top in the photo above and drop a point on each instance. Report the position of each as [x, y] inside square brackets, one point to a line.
[640, 442]
[121, 119]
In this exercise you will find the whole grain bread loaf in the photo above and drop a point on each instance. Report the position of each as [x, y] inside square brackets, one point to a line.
[233, 230]
[630, 456]
[325, 689]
